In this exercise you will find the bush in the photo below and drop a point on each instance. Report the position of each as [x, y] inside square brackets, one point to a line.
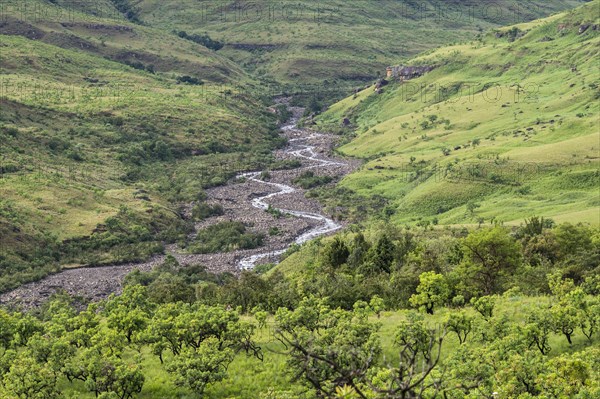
[308, 180]
[189, 80]
[225, 237]
[204, 211]
[204, 40]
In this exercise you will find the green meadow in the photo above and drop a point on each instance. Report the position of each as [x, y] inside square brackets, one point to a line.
[336, 43]
[499, 130]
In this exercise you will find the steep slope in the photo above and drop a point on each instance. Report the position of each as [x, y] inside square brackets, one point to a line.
[336, 42]
[503, 128]
[106, 126]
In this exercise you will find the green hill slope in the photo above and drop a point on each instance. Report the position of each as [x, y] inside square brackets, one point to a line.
[341, 42]
[106, 126]
[503, 128]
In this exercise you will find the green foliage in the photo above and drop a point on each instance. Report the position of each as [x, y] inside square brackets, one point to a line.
[335, 253]
[538, 328]
[195, 368]
[110, 374]
[28, 379]
[484, 305]
[130, 312]
[491, 258]
[433, 291]
[377, 304]
[565, 319]
[204, 40]
[381, 255]
[308, 180]
[189, 80]
[125, 7]
[225, 237]
[203, 211]
[461, 324]
[328, 348]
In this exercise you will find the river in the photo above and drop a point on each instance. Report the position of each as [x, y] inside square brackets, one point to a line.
[245, 199]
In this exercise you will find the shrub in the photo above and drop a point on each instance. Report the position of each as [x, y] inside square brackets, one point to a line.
[204, 211]
[204, 40]
[308, 180]
[225, 237]
[189, 80]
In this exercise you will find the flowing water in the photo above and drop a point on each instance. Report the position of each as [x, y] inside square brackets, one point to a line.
[297, 148]
[303, 144]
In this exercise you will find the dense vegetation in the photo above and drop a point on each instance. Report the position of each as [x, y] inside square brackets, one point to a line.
[309, 180]
[204, 40]
[515, 313]
[225, 237]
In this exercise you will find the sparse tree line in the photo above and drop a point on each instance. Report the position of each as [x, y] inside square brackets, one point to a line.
[335, 353]
[462, 339]
[102, 345]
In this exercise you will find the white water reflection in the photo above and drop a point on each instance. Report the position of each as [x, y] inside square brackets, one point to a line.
[326, 225]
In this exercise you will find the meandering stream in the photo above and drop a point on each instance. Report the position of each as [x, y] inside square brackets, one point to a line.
[246, 199]
[298, 149]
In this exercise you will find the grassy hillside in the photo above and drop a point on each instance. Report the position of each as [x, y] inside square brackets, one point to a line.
[335, 42]
[503, 128]
[106, 126]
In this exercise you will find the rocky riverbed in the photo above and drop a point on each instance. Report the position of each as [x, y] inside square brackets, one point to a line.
[244, 200]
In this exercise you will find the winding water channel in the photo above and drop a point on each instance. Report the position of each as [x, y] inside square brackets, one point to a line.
[246, 199]
[297, 148]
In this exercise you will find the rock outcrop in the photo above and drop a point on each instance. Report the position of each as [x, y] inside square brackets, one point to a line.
[402, 72]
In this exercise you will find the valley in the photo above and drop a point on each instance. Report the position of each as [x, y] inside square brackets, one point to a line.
[294, 218]
[271, 199]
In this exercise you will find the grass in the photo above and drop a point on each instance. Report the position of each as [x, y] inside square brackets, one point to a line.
[536, 151]
[85, 135]
[336, 43]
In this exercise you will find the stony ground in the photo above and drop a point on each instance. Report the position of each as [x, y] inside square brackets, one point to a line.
[236, 199]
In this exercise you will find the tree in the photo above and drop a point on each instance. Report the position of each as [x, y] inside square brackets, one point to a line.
[484, 305]
[491, 256]
[170, 288]
[539, 325]
[565, 318]
[260, 315]
[568, 376]
[26, 326]
[419, 354]
[382, 254]
[460, 323]
[179, 326]
[573, 238]
[535, 226]
[28, 379]
[377, 304]
[197, 367]
[589, 317]
[518, 374]
[328, 348]
[7, 329]
[130, 312]
[359, 251]
[110, 374]
[432, 291]
[335, 253]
